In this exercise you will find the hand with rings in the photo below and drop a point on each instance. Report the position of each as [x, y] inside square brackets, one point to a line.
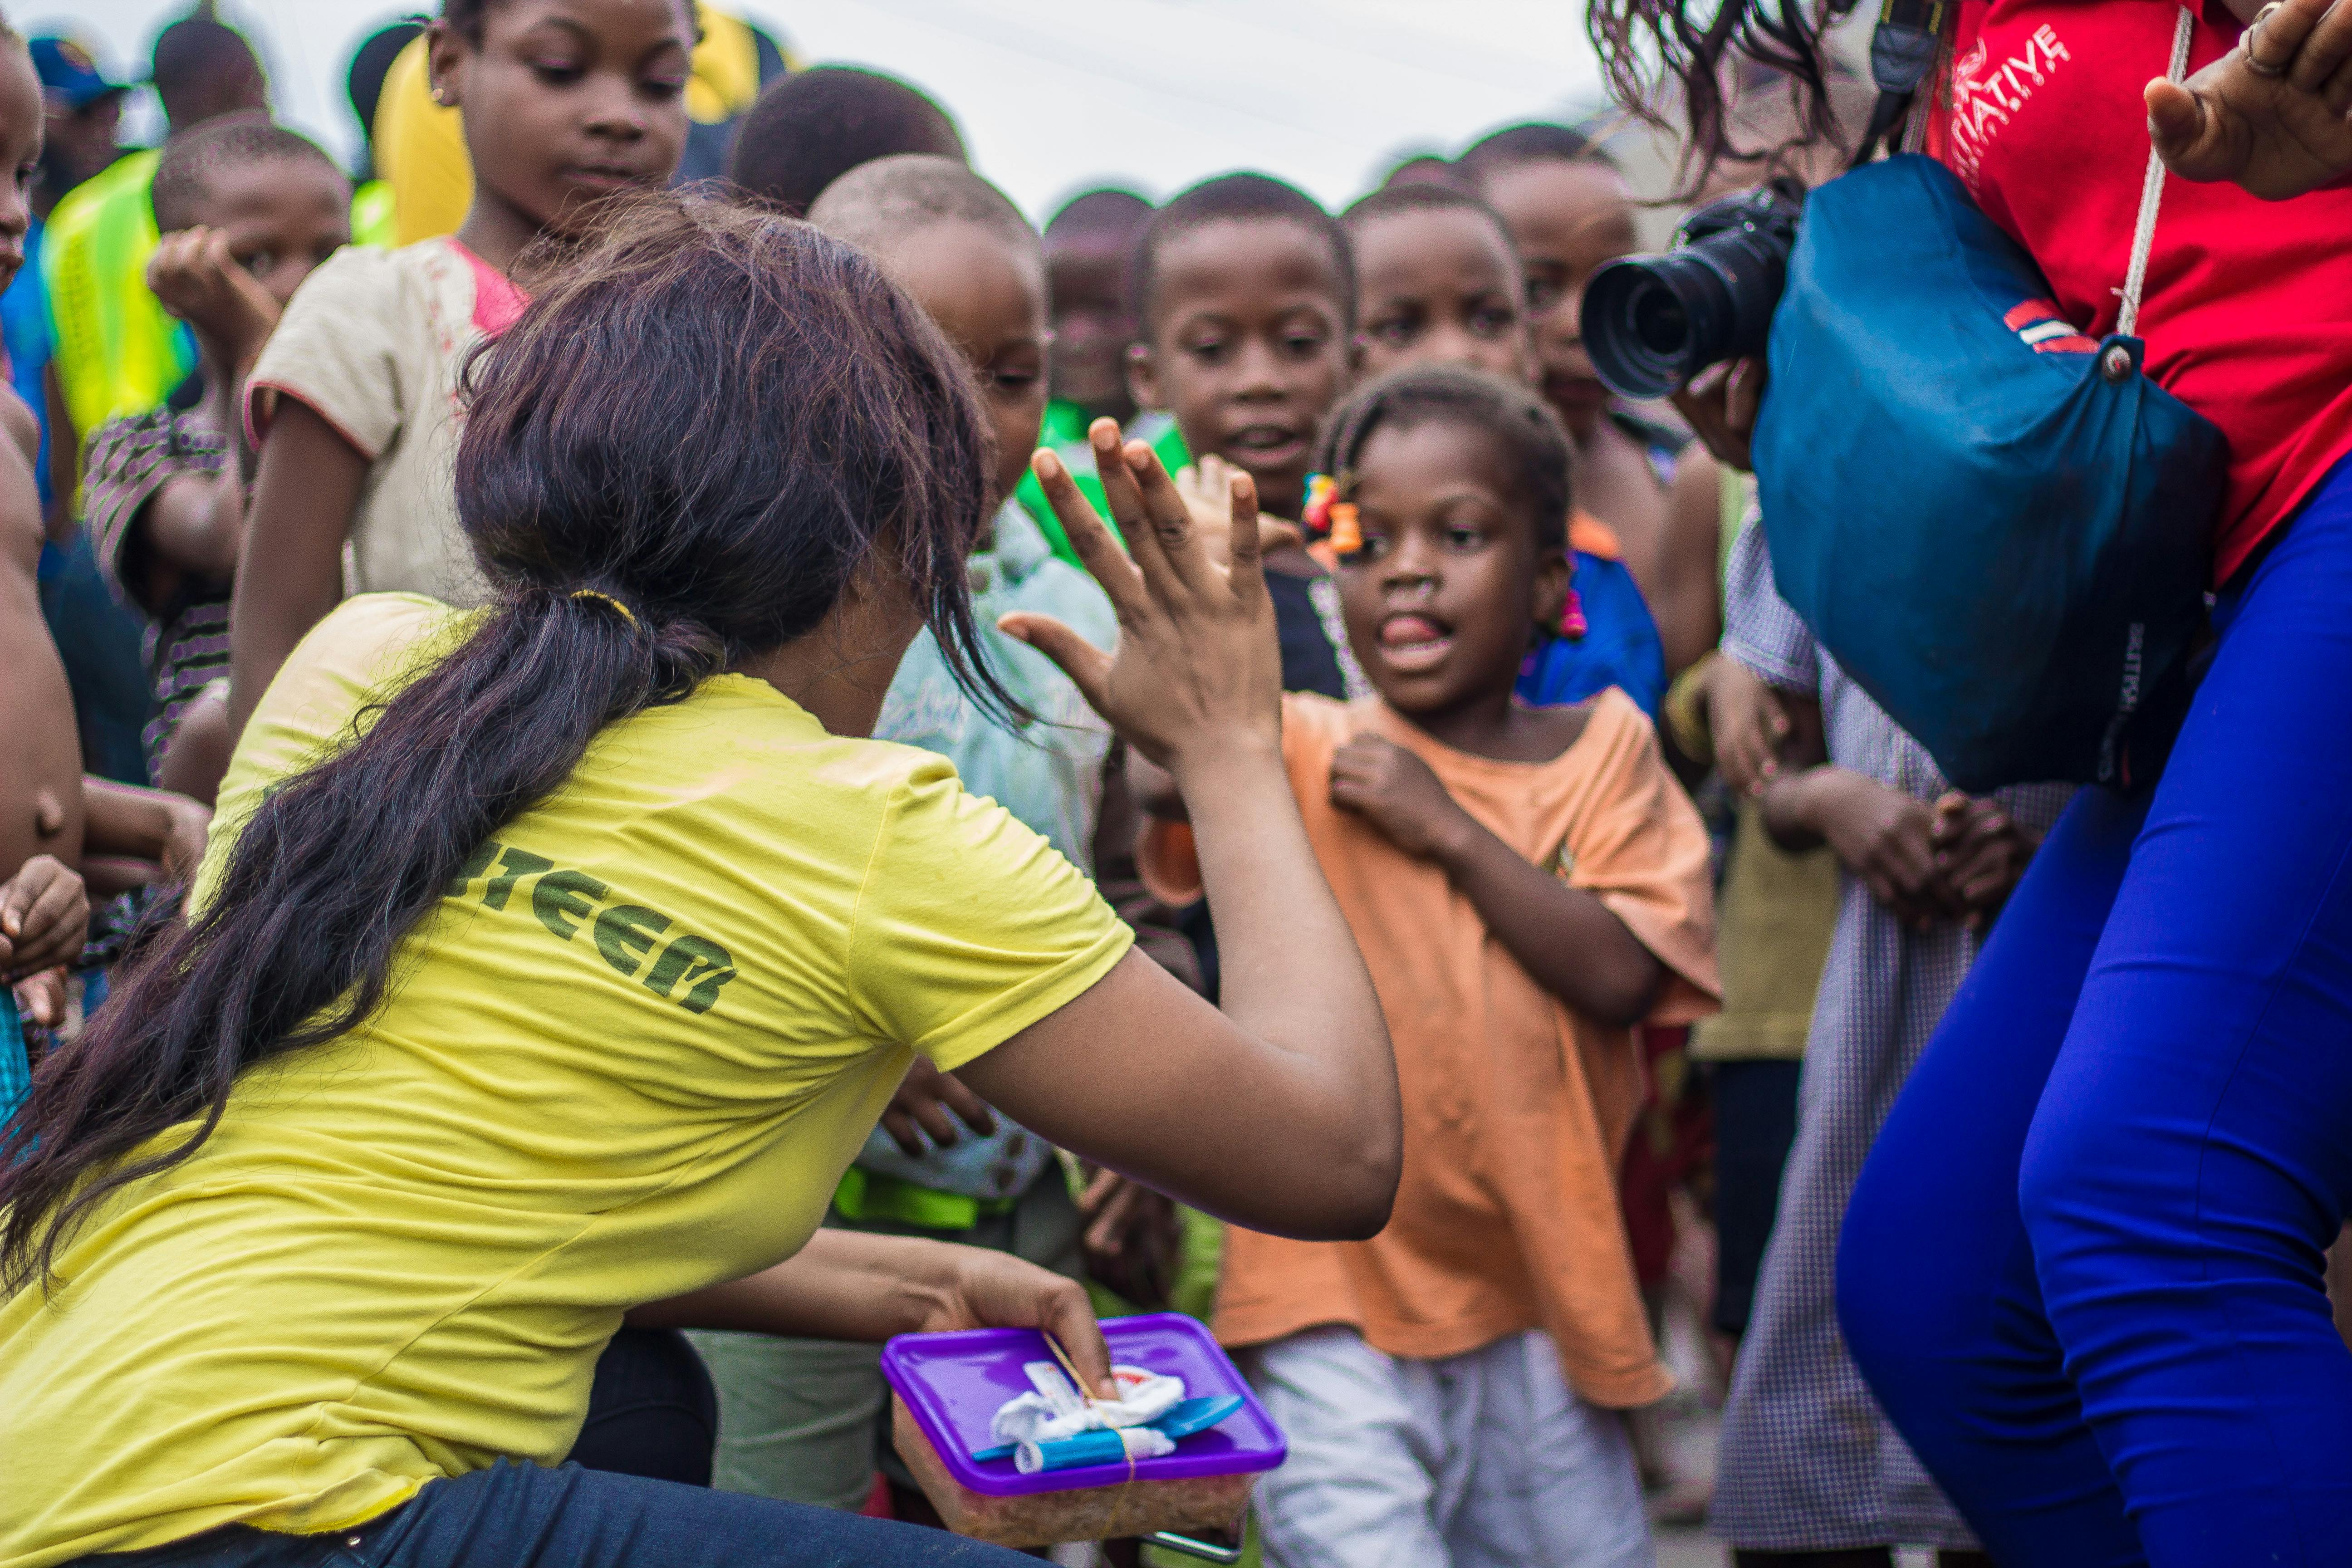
[2274, 114]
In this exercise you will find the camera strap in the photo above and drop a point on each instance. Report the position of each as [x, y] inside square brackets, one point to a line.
[1903, 50]
[2151, 192]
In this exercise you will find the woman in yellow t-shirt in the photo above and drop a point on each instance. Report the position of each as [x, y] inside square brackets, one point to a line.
[551, 959]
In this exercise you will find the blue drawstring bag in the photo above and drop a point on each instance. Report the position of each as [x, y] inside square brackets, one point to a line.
[1998, 527]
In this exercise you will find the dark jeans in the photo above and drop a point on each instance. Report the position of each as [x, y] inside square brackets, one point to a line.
[519, 1516]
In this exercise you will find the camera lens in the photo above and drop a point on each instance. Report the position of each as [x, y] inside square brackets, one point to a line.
[1661, 322]
[1651, 322]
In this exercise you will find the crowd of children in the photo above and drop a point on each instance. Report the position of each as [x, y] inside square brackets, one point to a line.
[1577, 778]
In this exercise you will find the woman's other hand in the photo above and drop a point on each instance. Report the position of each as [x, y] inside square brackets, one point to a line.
[1720, 402]
[2271, 114]
[978, 1288]
[1198, 672]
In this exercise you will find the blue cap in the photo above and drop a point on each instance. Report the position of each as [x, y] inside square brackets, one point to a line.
[67, 69]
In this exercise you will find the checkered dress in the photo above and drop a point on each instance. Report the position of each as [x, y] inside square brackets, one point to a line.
[1807, 1461]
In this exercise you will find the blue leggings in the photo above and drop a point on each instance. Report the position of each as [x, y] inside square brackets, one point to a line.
[2081, 1269]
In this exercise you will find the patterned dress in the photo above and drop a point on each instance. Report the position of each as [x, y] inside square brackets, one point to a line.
[1807, 1461]
[131, 460]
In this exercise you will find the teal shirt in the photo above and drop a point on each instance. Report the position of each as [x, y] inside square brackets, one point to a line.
[1048, 774]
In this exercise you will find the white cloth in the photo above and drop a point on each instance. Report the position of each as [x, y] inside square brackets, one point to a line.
[1482, 1460]
[1055, 1408]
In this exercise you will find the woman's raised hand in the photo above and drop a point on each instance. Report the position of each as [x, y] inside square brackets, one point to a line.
[2274, 114]
[1198, 669]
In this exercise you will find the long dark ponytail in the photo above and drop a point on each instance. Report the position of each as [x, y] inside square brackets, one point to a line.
[711, 413]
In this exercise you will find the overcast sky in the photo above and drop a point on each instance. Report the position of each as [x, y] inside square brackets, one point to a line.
[1057, 95]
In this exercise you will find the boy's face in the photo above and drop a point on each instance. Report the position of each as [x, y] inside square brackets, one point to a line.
[1247, 347]
[1566, 218]
[1440, 287]
[1092, 323]
[1443, 598]
[988, 295]
[20, 145]
[282, 218]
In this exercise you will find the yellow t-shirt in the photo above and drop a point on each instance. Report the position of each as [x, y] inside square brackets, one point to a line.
[629, 1056]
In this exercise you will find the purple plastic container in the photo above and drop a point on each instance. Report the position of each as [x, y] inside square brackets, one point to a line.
[954, 1382]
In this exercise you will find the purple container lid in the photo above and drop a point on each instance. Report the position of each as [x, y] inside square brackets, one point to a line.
[954, 1382]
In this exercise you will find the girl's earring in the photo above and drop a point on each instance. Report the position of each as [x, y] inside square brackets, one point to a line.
[1572, 624]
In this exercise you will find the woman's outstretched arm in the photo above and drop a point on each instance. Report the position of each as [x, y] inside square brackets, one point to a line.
[847, 1285]
[1280, 1112]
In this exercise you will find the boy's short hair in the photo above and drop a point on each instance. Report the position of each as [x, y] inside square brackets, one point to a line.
[884, 200]
[182, 175]
[1101, 212]
[1391, 201]
[202, 67]
[1517, 415]
[811, 128]
[1424, 169]
[1534, 142]
[370, 63]
[1237, 198]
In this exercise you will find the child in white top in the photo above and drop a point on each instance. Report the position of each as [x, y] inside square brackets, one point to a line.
[357, 393]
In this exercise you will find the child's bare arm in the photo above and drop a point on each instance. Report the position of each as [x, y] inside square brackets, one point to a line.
[151, 826]
[23, 426]
[40, 748]
[65, 457]
[289, 571]
[1566, 939]
[195, 758]
[195, 524]
[1687, 604]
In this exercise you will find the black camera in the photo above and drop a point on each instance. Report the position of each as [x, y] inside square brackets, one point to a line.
[1651, 322]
